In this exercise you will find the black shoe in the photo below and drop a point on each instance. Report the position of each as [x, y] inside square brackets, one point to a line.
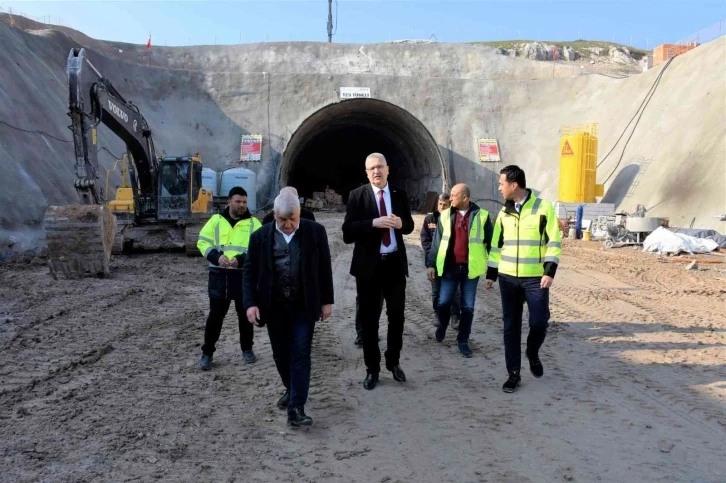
[397, 373]
[371, 381]
[284, 401]
[512, 383]
[205, 363]
[249, 356]
[535, 365]
[440, 333]
[464, 349]
[359, 340]
[297, 418]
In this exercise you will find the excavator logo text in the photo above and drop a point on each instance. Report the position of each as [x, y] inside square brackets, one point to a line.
[118, 111]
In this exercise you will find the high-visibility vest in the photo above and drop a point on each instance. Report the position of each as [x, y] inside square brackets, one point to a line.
[523, 242]
[218, 234]
[477, 248]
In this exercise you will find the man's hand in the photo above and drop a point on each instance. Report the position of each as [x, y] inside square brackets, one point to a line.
[383, 222]
[223, 261]
[489, 284]
[397, 221]
[431, 274]
[253, 316]
[546, 282]
[327, 310]
[234, 263]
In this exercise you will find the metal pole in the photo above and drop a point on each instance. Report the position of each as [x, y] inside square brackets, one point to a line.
[330, 21]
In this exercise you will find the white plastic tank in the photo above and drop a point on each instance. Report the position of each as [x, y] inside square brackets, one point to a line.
[210, 181]
[244, 178]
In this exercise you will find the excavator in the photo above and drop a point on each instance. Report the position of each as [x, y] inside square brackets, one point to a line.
[162, 207]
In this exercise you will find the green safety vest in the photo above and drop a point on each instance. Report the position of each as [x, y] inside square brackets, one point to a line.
[523, 242]
[477, 249]
[218, 234]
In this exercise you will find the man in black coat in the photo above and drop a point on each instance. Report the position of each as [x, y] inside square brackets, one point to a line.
[377, 217]
[427, 235]
[304, 212]
[288, 286]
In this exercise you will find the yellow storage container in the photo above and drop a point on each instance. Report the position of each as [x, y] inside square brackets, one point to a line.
[578, 164]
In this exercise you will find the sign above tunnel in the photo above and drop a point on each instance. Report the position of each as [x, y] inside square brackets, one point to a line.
[355, 92]
[488, 150]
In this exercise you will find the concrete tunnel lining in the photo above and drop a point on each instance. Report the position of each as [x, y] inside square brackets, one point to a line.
[330, 146]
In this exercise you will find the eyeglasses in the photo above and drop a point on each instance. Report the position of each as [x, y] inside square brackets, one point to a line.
[379, 167]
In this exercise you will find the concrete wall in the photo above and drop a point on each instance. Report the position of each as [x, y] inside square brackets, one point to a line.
[460, 93]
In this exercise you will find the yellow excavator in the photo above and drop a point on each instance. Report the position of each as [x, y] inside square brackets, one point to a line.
[162, 207]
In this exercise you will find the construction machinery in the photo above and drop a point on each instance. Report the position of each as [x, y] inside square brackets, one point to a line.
[162, 206]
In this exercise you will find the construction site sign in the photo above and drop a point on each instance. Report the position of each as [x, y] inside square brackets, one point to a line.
[250, 147]
[355, 92]
[489, 150]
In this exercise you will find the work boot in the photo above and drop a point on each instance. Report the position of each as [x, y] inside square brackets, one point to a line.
[535, 365]
[512, 383]
[249, 356]
[464, 349]
[454, 321]
[205, 363]
[297, 418]
[440, 333]
[284, 401]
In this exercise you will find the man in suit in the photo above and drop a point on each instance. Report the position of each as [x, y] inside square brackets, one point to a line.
[304, 212]
[288, 286]
[376, 219]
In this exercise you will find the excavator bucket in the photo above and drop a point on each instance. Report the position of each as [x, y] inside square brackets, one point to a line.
[80, 239]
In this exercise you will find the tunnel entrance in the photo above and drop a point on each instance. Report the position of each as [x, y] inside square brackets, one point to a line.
[330, 147]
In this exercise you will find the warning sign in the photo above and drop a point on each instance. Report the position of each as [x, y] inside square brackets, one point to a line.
[489, 150]
[566, 149]
[250, 147]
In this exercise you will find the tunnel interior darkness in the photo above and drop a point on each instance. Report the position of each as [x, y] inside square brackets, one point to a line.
[330, 147]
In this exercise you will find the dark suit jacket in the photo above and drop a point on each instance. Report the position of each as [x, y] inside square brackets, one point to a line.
[358, 229]
[304, 213]
[317, 271]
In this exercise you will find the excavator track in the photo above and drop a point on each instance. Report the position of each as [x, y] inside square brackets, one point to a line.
[80, 239]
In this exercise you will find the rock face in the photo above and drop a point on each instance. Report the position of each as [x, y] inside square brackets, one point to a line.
[621, 55]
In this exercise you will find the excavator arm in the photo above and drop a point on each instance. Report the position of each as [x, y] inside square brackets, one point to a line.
[93, 100]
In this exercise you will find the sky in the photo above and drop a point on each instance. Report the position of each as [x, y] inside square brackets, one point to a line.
[640, 23]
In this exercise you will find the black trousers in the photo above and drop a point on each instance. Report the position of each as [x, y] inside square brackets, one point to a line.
[218, 308]
[515, 292]
[389, 282]
[359, 320]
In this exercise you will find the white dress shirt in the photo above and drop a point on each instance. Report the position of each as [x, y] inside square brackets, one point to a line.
[389, 211]
[287, 237]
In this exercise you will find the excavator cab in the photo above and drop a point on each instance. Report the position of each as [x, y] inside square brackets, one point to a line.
[180, 188]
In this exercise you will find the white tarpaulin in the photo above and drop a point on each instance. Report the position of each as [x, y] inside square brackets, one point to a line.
[665, 241]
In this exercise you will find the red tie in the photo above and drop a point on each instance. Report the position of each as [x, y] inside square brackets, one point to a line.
[386, 236]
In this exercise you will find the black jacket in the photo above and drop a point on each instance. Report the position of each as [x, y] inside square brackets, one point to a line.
[304, 214]
[488, 232]
[317, 271]
[358, 228]
[427, 232]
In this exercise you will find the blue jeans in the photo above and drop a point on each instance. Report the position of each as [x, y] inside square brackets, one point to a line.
[456, 276]
[515, 291]
[291, 338]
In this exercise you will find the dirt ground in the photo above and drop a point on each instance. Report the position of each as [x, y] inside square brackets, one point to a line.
[99, 382]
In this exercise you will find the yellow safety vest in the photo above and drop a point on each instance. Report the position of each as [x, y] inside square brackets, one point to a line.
[477, 249]
[523, 242]
[218, 234]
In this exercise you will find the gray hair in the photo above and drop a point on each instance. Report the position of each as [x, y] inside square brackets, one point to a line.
[289, 189]
[286, 204]
[444, 197]
[377, 156]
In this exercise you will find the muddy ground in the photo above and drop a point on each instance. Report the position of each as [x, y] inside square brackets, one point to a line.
[99, 382]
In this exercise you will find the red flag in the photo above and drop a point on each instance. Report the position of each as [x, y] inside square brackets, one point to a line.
[148, 44]
[554, 53]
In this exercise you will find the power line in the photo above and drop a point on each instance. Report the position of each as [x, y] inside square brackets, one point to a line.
[651, 92]
[35, 132]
